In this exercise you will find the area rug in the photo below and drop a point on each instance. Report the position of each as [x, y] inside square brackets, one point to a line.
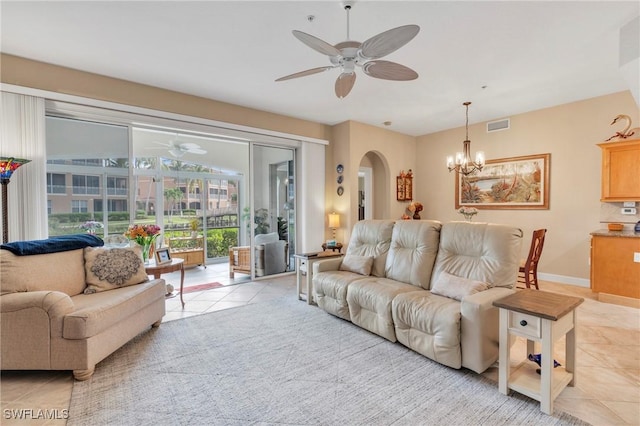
[201, 287]
[285, 362]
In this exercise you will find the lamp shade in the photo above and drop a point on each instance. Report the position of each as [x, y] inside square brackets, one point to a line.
[8, 165]
[334, 220]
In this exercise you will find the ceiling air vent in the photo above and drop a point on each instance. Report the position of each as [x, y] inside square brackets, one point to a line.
[496, 126]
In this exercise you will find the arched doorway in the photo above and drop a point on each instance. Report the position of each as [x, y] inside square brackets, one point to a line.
[373, 187]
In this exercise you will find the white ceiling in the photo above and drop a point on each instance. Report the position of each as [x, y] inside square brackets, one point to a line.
[529, 55]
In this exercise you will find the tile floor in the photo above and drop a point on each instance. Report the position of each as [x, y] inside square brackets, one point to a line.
[608, 355]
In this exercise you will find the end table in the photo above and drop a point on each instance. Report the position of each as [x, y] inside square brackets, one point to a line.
[538, 316]
[305, 261]
[177, 264]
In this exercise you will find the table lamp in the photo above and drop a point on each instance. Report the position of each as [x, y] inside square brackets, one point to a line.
[8, 165]
[334, 222]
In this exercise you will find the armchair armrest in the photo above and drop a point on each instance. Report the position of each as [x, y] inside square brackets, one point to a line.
[327, 265]
[479, 328]
[29, 321]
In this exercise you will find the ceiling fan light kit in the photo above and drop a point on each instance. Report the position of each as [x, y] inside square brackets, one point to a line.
[348, 54]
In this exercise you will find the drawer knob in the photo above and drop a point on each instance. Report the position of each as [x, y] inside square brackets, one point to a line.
[523, 323]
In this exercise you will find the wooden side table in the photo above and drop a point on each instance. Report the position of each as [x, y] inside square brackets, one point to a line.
[177, 264]
[544, 317]
[305, 261]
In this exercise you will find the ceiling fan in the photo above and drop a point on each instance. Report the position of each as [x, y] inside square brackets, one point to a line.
[348, 54]
[178, 149]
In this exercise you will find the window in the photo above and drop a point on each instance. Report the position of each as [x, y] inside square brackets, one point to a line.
[56, 183]
[116, 185]
[48, 207]
[85, 184]
[79, 206]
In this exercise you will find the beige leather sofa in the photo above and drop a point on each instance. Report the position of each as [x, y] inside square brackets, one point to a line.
[48, 323]
[427, 285]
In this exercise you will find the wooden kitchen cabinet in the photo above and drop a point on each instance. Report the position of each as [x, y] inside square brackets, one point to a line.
[191, 249]
[614, 274]
[620, 171]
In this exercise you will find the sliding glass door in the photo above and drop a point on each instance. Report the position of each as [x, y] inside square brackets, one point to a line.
[273, 227]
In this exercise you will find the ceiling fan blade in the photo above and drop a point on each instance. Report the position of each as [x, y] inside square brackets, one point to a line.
[189, 145]
[388, 41]
[389, 71]
[305, 73]
[344, 84]
[316, 44]
[197, 151]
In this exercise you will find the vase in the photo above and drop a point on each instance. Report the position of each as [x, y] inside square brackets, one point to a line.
[468, 217]
[416, 216]
[146, 250]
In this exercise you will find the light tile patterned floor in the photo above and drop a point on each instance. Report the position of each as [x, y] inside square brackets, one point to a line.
[608, 356]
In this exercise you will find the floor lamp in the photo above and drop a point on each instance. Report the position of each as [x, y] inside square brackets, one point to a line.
[8, 165]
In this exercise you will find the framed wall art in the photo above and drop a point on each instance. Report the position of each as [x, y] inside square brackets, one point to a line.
[507, 183]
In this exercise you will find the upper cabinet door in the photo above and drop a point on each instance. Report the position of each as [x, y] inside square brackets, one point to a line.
[621, 171]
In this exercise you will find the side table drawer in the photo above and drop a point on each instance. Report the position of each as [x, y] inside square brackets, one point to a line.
[525, 325]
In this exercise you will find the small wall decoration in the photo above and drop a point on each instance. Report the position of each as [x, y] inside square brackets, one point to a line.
[340, 169]
[404, 186]
[507, 183]
[340, 191]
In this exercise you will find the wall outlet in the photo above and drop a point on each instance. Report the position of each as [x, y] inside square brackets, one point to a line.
[636, 257]
[629, 210]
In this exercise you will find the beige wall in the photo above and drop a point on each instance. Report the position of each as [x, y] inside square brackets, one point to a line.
[350, 142]
[570, 133]
[39, 75]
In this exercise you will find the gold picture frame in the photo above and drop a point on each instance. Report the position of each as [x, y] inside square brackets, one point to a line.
[507, 183]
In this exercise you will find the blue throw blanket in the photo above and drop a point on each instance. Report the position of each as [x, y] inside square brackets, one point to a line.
[53, 244]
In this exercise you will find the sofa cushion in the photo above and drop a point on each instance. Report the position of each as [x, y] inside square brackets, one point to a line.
[413, 251]
[457, 288]
[358, 264]
[369, 303]
[430, 325]
[330, 290]
[62, 271]
[372, 238]
[479, 251]
[95, 313]
[111, 268]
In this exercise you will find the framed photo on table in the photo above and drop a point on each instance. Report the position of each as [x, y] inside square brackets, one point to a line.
[163, 256]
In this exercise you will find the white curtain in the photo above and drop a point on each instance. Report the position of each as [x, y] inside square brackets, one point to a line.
[22, 135]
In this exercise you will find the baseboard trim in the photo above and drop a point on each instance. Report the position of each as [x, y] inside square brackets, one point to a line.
[563, 279]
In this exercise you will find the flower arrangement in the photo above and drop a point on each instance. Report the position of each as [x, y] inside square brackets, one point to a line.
[414, 208]
[468, 212]
[91, 226]
[143, 235]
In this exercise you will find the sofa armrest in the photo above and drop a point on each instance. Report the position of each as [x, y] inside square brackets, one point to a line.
[480, 328]
[327, 265]
[29, 321]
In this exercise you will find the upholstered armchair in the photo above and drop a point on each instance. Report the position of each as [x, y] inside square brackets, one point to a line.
[270, 256]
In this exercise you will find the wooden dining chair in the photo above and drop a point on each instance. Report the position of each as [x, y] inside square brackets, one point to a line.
[528, 273]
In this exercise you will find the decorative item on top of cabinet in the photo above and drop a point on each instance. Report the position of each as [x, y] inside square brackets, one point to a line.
[620, 176]
[404, 186]
[627, 132]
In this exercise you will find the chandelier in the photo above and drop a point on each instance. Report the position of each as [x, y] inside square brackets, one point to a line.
[463, 163]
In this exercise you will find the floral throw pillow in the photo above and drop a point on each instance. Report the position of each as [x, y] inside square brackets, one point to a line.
[111, 268]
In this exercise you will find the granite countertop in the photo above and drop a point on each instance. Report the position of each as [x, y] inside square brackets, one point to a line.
[624, 233]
